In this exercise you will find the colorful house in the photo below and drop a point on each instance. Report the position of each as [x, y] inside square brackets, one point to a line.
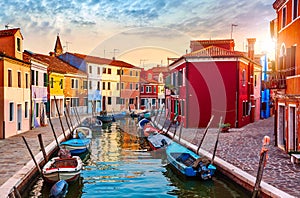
[14, 85]
[112, 81]
[148, 93]
[39, 84]
[286, 79]
[214, 80]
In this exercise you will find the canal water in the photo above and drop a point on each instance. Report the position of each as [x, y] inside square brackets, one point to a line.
[122, 165]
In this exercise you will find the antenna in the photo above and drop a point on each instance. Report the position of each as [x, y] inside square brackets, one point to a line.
[67, 45]
[7, 26]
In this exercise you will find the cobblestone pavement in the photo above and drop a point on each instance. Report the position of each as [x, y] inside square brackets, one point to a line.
[13, 151]
[241, 148]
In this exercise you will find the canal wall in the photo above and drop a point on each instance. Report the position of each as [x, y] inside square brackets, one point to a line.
[234, 173]
[22, 179]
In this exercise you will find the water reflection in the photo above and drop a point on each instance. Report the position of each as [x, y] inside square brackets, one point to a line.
[121, 165]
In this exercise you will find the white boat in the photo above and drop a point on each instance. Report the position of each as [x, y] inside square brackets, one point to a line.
[86, 131]
[57, 168]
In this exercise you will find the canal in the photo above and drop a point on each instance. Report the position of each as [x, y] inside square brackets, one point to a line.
[122, 165]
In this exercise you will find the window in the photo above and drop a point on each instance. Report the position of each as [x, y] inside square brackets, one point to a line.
[19, 79]
[32, 77]
[11, 111]
[61, 84]
[136, 73]
[36, 78]
[109, 71]
[85, 84]
[148, 89]
[104, 70]
[103, 85]
[137, 86]
[255, 80]
[118, 72]
[26, 80]
[74, 83]
[9, 78]
[118, 86]
[295, 9]
[109, 100]
[283, 23]
[130, 86]
[74, 102]
[90, 69]
[246, 108]
[154, 89]
[37, 110]
[122, 85]
[131, 100]
[45, 79]
[51, 82]
[118, 100]
[18, 44]
[142, 89]
[108, 85]
[98, 85]
[26, 109]
[244, 77]
[85, 101]
[90, 84]
[130, 73]
[98, 70]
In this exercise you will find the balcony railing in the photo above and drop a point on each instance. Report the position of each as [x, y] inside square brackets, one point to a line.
[277, 80]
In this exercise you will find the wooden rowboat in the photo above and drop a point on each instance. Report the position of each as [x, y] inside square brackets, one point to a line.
[67, 169]
[76, 146]
[189, 163]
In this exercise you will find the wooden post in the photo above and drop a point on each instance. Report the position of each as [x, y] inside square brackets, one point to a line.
[53, 131]
[62, 127]
[67, 122]
[17, 193]
[205, 132]
[180, 131]
[42, 147]
[32, 156]
[262, 163]
[217, 141]
[70, 118]
[165, 121]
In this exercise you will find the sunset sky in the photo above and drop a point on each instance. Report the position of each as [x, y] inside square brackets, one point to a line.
[141, 32]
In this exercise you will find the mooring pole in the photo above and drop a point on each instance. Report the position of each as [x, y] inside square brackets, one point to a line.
[53, 131]
[62, 127]
[32, 156]
[205, 132]
[217, 141]
[262, 164]
[42, 147]
[70, 118]
[67, 122]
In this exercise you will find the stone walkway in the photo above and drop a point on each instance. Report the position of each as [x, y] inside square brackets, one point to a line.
[240, 147]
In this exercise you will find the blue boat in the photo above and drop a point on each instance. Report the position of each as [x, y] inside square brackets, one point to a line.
[76, 146]
[143, 122]
[189, 163]
[105, 118]
[59, 189]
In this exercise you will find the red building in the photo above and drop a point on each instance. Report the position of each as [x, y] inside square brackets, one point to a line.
[214, 80]
[286, 79]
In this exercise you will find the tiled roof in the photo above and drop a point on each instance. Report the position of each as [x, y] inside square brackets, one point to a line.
[213, 51]
[146, 81]
[9, 32]
[98, 60]
[57, 65]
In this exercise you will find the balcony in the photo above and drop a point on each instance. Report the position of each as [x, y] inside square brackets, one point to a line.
[277, 80]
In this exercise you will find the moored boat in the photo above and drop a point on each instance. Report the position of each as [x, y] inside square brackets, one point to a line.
[189, 163]
[158, 141]
[86, 131]
[58, 168]
[142, 123]
[76, 146]
[105, 118]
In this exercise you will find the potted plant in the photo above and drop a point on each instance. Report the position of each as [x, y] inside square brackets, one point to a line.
[225, 127]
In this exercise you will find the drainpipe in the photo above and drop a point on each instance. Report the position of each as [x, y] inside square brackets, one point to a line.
[237, 94]
[187, 93]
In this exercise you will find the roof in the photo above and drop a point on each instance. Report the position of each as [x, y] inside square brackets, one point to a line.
[9, 32]
[148, 81]
[278, 3]
[98, 60]
[57, 65]
[213, 51]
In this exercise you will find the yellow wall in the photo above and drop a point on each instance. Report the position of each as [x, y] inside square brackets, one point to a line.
[57, 89]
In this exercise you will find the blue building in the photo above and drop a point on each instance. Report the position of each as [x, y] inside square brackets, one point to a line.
[265, 93]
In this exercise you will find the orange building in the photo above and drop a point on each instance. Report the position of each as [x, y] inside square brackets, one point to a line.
[286, 80]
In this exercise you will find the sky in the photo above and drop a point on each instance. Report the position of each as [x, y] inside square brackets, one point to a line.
[141, 32]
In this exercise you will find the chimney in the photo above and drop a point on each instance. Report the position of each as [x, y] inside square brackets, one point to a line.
[251, 42]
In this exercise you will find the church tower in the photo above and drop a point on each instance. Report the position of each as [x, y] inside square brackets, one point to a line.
[58, 50]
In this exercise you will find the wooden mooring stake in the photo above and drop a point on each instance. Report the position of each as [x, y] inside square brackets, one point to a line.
[32, 156]
[42, 147]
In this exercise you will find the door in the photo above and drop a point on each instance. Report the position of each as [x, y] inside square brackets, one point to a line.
[19, 117]
[103, 103]
[281, 127]
[292, 129]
